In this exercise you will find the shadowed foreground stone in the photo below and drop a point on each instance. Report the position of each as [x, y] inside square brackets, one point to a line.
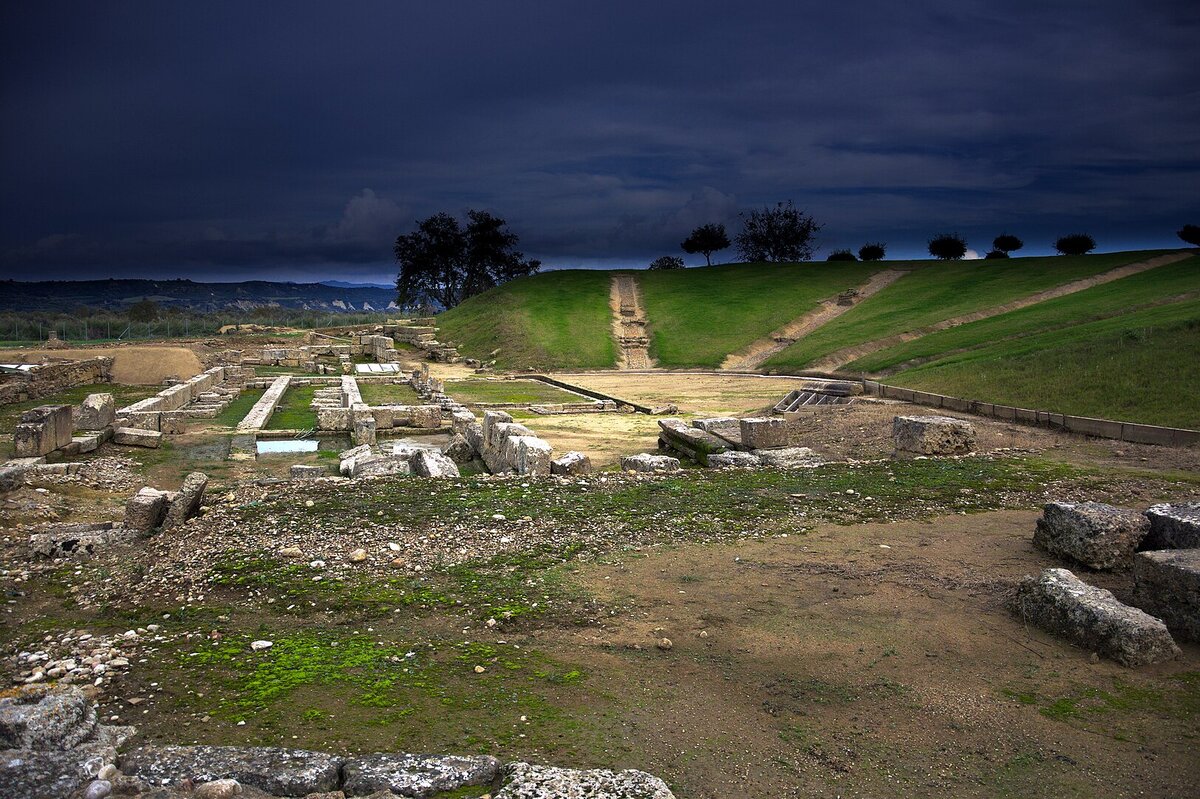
[1167, 584]
[1097, 535]
[278, 771]
[418, 776]
[1173, 526]
[1061, 603]
[933, 435]
[526, 781]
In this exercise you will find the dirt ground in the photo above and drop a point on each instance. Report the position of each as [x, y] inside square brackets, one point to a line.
[134, 365]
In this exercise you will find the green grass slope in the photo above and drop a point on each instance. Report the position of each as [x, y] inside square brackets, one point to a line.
[554, 320]
[939, 290]
[698, 316]
[1157, 285]
[1140, 366]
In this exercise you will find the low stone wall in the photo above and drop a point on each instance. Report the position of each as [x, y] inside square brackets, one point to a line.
[262, 410]
[147, 414]
[50, 378]
[1102, 428]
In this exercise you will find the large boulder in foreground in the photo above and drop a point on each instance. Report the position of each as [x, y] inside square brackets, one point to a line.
[1092, 618]
[277, 771]
[1097, 535]
[932, 435]
[1173, 526]
[1167, 584]
[527, 781]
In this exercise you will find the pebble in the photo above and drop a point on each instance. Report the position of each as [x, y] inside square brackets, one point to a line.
[107, 772]
[291, 552]
[664, 644]
[217, 789]
[98, 789]
[259, 646]
[480, 669]
[358, 556]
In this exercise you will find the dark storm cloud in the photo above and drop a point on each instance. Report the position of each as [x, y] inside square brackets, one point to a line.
[289, 140]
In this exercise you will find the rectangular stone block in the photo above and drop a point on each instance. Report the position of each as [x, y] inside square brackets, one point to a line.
[1166, 584]
[933, 435]
[133, 437]
[766, 432]
[96, 412]
[1097, 535]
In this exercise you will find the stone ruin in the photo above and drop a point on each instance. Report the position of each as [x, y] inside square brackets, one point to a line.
[932, 435]
[147, 511]
[727, 442]
[52, 746]
[1166, 575]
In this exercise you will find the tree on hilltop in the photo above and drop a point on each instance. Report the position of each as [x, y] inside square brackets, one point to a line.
[872, 252]
[1190, 234]
[444, 262]
[948, 247]
[706, 240]
[1075, 244]
[1007, 243]
[780, 234]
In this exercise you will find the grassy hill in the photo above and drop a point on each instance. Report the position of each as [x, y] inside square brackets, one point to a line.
[555, 320]
[1125, 349]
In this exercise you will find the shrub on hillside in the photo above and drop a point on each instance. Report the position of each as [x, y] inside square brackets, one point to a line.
[1190, 234]
[947, 246]
[993, 254]
[667, 262]
[841, 255]
[872, 252]
[1006, 243]
[1075, 244]
[779, 234]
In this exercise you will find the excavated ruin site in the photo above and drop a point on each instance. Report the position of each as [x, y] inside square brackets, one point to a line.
[354, 563]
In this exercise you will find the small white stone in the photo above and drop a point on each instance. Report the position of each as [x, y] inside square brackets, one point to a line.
[259, 646]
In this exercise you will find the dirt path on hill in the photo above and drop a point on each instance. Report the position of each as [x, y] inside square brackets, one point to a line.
[839, 358]
[629, 323]
[756, 353]
[136, 365]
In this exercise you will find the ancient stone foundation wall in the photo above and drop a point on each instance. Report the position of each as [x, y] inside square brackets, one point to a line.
[50, 378]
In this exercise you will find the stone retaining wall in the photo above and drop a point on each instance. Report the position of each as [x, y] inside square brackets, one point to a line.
[50, 378]
[262, 410]
[148, 414]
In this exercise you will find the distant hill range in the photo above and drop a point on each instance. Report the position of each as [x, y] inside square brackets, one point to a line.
[66, 295]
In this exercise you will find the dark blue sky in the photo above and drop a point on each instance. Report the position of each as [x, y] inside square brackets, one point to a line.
[292, 140]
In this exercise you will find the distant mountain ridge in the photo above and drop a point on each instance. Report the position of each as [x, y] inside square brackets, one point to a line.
[115, 294]
[341, 284]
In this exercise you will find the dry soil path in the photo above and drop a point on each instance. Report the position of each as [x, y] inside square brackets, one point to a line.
[756, 353]
[839, 358]
[629, 323]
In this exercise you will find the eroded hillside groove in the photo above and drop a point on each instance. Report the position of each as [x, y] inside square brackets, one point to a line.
[629, 323]
[758, 352]
[839, 358]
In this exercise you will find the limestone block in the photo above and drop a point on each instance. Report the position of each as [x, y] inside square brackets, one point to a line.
[724, 460]
[532, 456]
[649, 463]
[1167, 585]
[379, 465]
[306, 472]
[1173, 526]
[426, 416]
[933, 435]
[133, 437]
[788, 457]
[458, 449]
[1092, 618]
[333, 418]
[526, 781]
[690, 441]
[364, 430]
[273, 770]
[186, 503]
[1097, 535]
[571, 464]
[490, 420]
[96, 412]
[766, 432]
[145, 510]
[429, 463]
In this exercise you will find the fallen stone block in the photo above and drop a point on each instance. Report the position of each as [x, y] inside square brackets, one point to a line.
[74, 540]
[1166, 583]
[766, 432]
[96, 412]
[532, 455]
[134, 437]
[303, 471]
[145, 510]
[1097, 535]
[458, 449]
[571, 464]
[186, 503]
[691, 442]
[425, 416]
[491, 419]
[428, 463]
[419, 776]
[725, 460]
[788, 457]
[277, 771]
[364, 430]
[644, 462]
[354, 452]
[1173, 526]
[527, 781]
[90, 441]
[933, 435]
[1092, 618]
[378, 465]
[727, 428]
